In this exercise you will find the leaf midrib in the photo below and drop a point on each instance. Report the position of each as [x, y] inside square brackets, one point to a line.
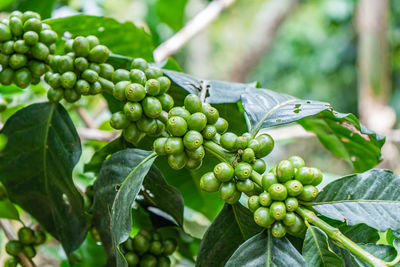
[354, 201]
[317, 244]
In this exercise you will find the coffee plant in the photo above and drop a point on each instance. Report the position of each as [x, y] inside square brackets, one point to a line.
[188, 147]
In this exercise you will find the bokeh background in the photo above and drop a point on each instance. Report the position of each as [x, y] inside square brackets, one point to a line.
[345, 52]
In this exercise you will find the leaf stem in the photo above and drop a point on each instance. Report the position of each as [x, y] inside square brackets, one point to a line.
[219, 152]
[336, 235]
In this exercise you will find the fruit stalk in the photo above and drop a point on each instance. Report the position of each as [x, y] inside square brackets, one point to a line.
[217, 151]
[336, 235]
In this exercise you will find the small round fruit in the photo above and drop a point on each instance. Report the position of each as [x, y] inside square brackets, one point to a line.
[249, 156]
[278, 230]
[71, 95]
[64, 63]
[152, 107]
[309, 193]
[134, 92]
[137, 76]
[99, 54]
[152, 87]
[128, 244]
[167, 102]
[81, 46]
[120, 75]
[11, 262]
[221, 125]
[33, 24]
[265, 199]
[6, 76]
[22, 78]
[13, 247]
[17, 61]
[291, 204]
[259, 166]
[29, 251]
[90, 75]
[297, 161]
[40, 51]
[198, 154]
[93, 41]
[133, 111]
[317, 176]
[192, 103]
[294, 188]
[192, 139]
[165, 84]
[197, 121]
[177, 126]
[211, 113]
[139, 63]
[193, 164]
[278, 210]
[209, 132]
[298, 227]
[266, 145]
[174, 145]
[82, 87]
[156, 248]
[169, 246]
[106, 71]
[234, 198]
[268, 179]
[153, 72]
[163, 262]
[16, 26]
[305, 175]
[224, 172]
[241, 142]
[147, 125]
[119, 120]
[209, 183]
[289, 219]
[253, 203]
[179, 112]
[21, 47]
[245, 186]
[243, 170]
[227, 190]
[148, 260]
[284, 171]
[159, 146]
[132, 259]
[68, 79]
[26, 236]
[278, 192]
[5, 33]
[141, 244]
[8, 47]
[263, 217]
[228, 141]
[48, 37]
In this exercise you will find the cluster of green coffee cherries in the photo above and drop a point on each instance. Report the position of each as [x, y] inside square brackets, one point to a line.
[188, 127]
[28, 239]
[25, 44]
[285, 186]
[143, 89]
[148, 249]
[81, 71]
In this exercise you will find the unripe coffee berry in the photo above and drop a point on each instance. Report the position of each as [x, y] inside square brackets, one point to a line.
[224, 171]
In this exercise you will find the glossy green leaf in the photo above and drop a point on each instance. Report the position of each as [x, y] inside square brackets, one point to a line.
[8, 210]
[265, 250]
[120, 37]
[115, 190]
[171, 12]
[36, 168]
[360, 233]
[159, 194]
[43, 7]
[372, 197]
[233, 226]
[316, 250]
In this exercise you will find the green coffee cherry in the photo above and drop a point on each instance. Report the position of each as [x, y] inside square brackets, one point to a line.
[298, 227]
[193, 103]
[22, 78]
[291, 204]
[263, 217]
[152, 108]
[82, 87]
[259, 166]
[11, 262]
[48, 37]
[278, 230]
[179, 112]
[234, 198]
[174, 145]
[4, 59]
[163, 262]
[40, 51]
[241, 142]
[243, 170]
[221, 125]
[228, 141]
[37, 68]
[253, 203]
[290, 218]
[93, 41]
[147, 125]
[3, 106]
[90, 75]
[71, 95]
[192, 139]
[209, 183]
[39, 237]
[177, 126]
[278, 192]
[68, 79]
[13, 247]
[167, 102]
[133, 111]
[141, 244]
[6, 76]
[249, 156]
[199, 153]
[81, 46]
[278, 210]
[139, 63]
[152, 87]
[245, 186]
[317, 176]
[120, 75]
[165, 84]
[177, 161]
[132, 134]
[266, 145]
[294, 188]
[153, 72]
[296, 161]
[156, 248]
[119, 90]
[137, 76]
[211, 113]
[309, 193]
[5, 33]
[26, 236]
[265, 199]
[119, 120]
[8, 47]
[132, 259]
[17, 61]
[68, 45]
[99, 54]
[268, 179]
[285, 171]
[21, 47]
[224, 172]
[305, 175]
[159, 146]
[16, 26]
[133, 91]
[31, 38]
[33, 24]
[209, 132]
[55, 80]
[107, 86]
[197, 121]
[106, 71]
[96, 88]
[146, 234]
[226, 190]
[64, 63]
[169, 246]
[29, 251]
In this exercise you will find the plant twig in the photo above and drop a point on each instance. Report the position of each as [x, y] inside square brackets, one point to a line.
[191, 29]
[9, 232]
[85, 117]
[336, 235]
[96, 134]
[203, 93]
